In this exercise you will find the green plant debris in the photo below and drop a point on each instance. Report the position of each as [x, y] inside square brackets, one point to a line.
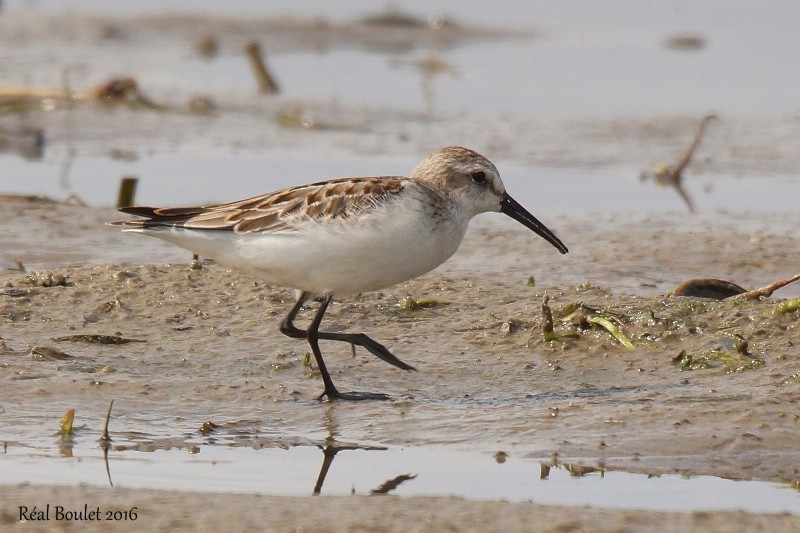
[581, 470]
[732, 362]
[547, 321]
[613, 329]
[208, 427]
[286, 365]
[409, 303]
[531, 281]
[789, 306]
[794, 379]
[574, 312]
[294, 118]
[96, 339]
[684, 361]
[65, 424]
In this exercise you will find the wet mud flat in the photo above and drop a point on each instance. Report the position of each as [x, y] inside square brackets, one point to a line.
[703, 386]
[192, 357]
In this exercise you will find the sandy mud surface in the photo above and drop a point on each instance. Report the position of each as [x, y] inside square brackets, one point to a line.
[710, 388]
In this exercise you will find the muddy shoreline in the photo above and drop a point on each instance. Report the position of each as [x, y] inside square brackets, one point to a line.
[639, 403]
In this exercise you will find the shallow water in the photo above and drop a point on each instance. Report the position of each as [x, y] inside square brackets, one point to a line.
[576, 59]
[346, 468]
[221, 178]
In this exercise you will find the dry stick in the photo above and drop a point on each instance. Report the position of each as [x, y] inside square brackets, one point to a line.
[105, 437]
[105, 443]
[765, 291]
[127, 191]
[266, 82]
[547, 320]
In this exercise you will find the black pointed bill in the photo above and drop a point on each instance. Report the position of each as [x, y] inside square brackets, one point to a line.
[512, 208]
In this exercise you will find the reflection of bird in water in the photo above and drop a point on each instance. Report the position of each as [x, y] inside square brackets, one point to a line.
[673, 176]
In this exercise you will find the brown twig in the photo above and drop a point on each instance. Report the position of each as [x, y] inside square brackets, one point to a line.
[127, 191]
[765, 291]
[105, 437]
[266, 82]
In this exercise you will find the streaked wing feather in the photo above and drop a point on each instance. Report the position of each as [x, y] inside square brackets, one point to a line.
[280, 210]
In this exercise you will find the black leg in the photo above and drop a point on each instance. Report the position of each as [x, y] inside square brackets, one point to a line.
[355, 339]
[374, 347]
[313, 335]
[287, 327]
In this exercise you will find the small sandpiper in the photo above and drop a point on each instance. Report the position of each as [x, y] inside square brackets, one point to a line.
[344, 236]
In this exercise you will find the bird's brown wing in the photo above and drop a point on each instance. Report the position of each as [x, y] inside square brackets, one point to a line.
[276, 211]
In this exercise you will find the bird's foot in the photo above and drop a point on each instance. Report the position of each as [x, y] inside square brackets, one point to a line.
[334, 394]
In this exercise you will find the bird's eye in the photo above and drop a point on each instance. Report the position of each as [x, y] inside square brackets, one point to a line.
[479, 177]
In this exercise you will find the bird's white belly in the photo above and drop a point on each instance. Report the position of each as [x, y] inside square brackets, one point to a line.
[336, 257]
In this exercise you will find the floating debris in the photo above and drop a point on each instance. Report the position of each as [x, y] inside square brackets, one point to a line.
[119, 154]
[46, 352]
[202, 105]
[666, 176]
[207, 47]
[65, 424]
[685, 42]
[27, 142]
[208, 427]
[392, 484]
[581, 470]
[394, 19]
[296, 117]
[116, 91]
[124, 90]
[266, 82]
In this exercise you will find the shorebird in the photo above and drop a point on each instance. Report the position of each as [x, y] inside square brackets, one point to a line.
[344, 236]
[673, 176]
